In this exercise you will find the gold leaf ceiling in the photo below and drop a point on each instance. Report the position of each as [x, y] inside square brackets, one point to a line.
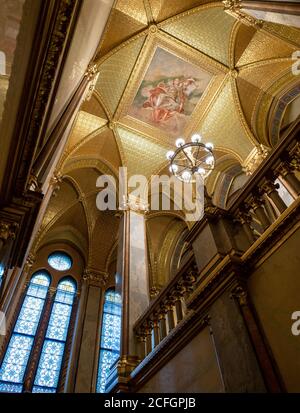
[248, 68]
[211, 38]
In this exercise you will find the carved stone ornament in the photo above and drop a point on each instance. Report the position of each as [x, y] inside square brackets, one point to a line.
[231, 4]
[55, 181]
[133, 203]
[92, 74]
[241, 295]
[255, 158]
[154, 291]
[8, 230]
[95, 277]
[233, 7]
[33, 184]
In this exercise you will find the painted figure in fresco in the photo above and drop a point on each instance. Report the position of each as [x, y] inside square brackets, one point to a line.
[167, 99]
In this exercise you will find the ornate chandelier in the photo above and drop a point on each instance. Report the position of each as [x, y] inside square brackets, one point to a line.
[191, 159]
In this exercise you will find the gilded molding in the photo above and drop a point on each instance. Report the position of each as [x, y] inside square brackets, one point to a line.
[95, 277]
[48, 72]
[8, 230]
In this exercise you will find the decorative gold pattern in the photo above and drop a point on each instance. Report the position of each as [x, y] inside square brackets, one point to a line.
[255, 158]
[85, 124]
[114, 74]
[223, 125]
[125, 20]
[264, 46]
[210, 37]
[147, 159]
[161, 9]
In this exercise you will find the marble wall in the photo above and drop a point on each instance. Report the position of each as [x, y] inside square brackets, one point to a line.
[274, 288]
[85, 377]
[194, 369]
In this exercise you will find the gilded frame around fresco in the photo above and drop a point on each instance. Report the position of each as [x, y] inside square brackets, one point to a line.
[157, 39]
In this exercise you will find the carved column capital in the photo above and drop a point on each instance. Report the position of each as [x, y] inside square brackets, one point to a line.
[234, 8]
[154, 291]
[240, 294]
[132, 203]
[254, 203]
[255, 158]
[189, 279]
[295, 157]
[284, 169]
[33, 183]
[95, 277]
[232, 4]
[91, 74]
[55, 182]
[268, 186]
[243, 217]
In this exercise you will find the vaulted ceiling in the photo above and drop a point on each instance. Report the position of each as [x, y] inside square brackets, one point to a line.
[219, 77]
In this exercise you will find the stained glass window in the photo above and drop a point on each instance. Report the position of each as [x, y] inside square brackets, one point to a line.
[110, 337]
[60, 261]
[48, 372]
[18, 351]
[1, 273]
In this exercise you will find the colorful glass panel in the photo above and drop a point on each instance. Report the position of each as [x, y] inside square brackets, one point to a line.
[48, 372]
[110, 337]
[19, 348]
[60, 261]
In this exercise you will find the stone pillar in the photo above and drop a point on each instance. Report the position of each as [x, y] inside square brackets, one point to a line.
[91, 310]
[78, 328]
[131, 282]
[244, 218]
[141, 338]
[8, 232]
[156, 334]
[271, 190]
[238, 363]
[215, 236]
[288, 175]
[257, 205]
[162, 323]
[272, 381]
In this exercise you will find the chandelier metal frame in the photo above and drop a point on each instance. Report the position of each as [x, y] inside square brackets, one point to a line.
[191, 159]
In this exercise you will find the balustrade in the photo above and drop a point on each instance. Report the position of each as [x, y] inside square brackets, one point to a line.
[166, 310]
[256, 208]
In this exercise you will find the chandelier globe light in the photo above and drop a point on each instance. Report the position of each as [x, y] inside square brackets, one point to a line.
[190, 159]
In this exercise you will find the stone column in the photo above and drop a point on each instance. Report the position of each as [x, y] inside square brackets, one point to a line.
[271, 190]
[88, 339]
[8, 232]
[244, 218]
[131, 282]
[78, 328]
[162, 323]
[257, 205]
[66, 368]
[288, 175]
[241, 372]
[269, 373]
